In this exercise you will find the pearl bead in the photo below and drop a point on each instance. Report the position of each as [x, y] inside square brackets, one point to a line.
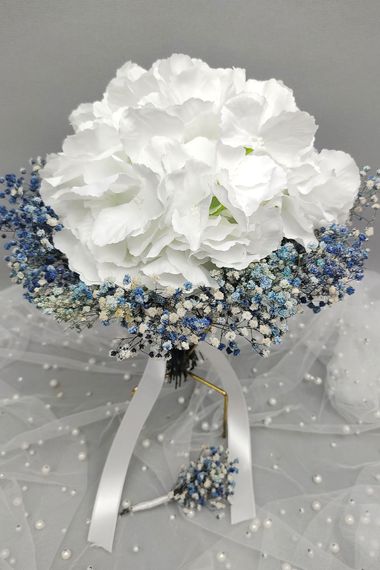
[53, 383]
[205, 426]
[127, 376]
[46, 469]
[255, 525]
[136, 548]
[334, 548]
[66, 554]
[39, 525]
[172, 517]
[316, 506]
[125, 504]
[144, 468]
[190, 514]
[17, 501]
[4, 554]
[272, 401]
[317, 479]
[349, 520]
[75, 432]
[285, 566]
[82, 456]
[146, 443]
[181, 400]
[267, 523]
[221, 557]
[160, 437]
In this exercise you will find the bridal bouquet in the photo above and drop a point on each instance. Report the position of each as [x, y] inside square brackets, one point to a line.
[190, 206]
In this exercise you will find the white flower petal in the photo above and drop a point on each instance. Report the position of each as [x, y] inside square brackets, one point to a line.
[288, 136]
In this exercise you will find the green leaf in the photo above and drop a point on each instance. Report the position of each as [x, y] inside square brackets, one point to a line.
[216, 207]
[248, 150]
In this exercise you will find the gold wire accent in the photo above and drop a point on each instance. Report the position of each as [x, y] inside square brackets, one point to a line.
[212, 386]
[220, 391]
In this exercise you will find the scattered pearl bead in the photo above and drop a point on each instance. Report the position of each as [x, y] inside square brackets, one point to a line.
[144, 468]
[205, 426]
[82, 456]
[160, 437]
[39, 525]
[125, 504]
[136, 548]
[190, 514]
[66, 554]
[146, 443]
[53, 383]
[181, 400]
[267, 523]
[285, 566]
[317, 479]
[46, 469]
[172, 517]
[221, 557]
[349, 520]
[4, 554]
[127, 376]
[75, 432]
[272, 401]
[255, 525]
[334, 548]
[316, 506]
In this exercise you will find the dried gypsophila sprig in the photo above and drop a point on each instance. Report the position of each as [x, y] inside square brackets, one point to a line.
[253, 303]
[208, 481]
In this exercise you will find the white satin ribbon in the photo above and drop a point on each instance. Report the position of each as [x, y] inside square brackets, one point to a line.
[107, 503]
[239, 438]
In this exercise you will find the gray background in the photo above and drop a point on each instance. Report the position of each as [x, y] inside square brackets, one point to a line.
[55, 54]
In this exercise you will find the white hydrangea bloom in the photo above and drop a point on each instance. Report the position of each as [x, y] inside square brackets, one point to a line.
[182, 168]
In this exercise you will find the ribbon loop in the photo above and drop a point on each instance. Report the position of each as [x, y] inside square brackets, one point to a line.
[239, 437]
[107, 503]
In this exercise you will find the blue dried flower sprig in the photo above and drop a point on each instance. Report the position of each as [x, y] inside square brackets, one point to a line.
[208, 482]
[253, 304]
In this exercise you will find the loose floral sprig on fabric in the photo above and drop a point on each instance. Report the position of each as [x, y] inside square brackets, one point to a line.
[254, 303]
[209, 481]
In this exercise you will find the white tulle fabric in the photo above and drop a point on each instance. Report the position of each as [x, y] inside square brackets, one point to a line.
[300, 429]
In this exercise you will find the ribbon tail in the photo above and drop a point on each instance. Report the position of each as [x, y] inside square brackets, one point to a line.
[107, 503]
[239, 438]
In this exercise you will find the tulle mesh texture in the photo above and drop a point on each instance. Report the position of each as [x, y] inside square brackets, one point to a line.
[315, 417]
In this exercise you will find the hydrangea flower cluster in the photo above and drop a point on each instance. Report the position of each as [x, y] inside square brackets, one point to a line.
[184, 168]
[208, 481]
[253, 303]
